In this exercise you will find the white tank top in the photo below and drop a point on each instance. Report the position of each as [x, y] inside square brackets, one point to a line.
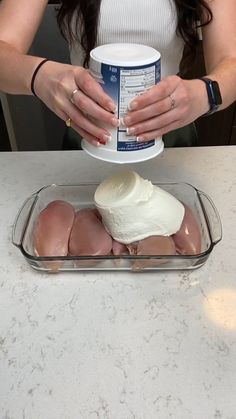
[151, 22]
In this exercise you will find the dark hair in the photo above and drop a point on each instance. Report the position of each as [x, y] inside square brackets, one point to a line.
[190, 13]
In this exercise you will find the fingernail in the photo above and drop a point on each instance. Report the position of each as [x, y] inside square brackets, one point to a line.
[127, 120]
[132, 106]
[106, 137]
[139, 139]
[102, 142]
[115, 122]
[96, 143]
[130, 130]
[112, 106]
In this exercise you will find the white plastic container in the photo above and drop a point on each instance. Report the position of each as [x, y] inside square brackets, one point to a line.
[125, 71]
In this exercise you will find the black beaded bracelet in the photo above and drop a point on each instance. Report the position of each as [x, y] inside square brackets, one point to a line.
[35, 74]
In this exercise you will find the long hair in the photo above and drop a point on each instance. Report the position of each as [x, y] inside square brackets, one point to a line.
[85, 15]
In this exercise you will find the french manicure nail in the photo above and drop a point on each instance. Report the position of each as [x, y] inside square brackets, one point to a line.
[96, 143]
[132, 106]
[130, 130]
[112, 107]
[139, 139]
[115, 122]
[127, 120]
[107, 137]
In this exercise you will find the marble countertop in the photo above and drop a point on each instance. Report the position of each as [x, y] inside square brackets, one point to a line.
[109, 345]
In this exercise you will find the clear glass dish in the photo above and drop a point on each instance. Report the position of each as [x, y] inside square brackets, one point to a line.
[81, 196]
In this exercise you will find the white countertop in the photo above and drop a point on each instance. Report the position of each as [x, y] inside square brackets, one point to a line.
[111, 345]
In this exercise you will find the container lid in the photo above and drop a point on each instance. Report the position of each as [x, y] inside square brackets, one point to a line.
[122, 54]
[122, 157]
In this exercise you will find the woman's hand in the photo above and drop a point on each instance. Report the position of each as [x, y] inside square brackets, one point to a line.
[171, 104]
[71, 92]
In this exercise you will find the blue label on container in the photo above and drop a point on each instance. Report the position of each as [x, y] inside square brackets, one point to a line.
[123, 84]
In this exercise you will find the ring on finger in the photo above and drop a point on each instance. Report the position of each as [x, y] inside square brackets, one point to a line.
[68, 122]
[72, 95]
[172, 102]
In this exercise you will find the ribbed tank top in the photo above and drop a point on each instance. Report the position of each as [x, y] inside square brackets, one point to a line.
[151, 22]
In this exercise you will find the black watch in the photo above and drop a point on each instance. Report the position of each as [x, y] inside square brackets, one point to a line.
[214, 96]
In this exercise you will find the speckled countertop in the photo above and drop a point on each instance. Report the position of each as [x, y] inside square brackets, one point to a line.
[118, 345]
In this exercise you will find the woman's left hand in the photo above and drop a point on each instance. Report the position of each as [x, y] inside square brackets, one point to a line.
[171, 104]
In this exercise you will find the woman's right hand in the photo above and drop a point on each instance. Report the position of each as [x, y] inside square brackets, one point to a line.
[71, 92]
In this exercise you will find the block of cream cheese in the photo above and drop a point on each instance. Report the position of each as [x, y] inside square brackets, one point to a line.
[132, 208]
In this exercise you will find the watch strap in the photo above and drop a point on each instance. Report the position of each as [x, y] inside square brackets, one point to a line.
[213, 93]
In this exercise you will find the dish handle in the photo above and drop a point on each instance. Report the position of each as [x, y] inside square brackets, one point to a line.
[212, 216]
[22, 219]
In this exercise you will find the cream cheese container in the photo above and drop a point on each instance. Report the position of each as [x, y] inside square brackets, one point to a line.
[132, 208]
[125, 71]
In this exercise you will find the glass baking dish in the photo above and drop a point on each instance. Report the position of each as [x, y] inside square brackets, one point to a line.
[81, 196]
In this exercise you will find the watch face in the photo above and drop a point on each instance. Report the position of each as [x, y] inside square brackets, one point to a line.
[213, 92]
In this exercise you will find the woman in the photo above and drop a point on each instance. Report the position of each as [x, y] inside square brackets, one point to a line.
[70, 91]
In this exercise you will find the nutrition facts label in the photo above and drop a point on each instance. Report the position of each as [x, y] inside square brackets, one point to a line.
[123, 84]
[126, 71]
[134, 82]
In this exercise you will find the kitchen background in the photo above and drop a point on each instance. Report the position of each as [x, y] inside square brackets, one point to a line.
[26, 124]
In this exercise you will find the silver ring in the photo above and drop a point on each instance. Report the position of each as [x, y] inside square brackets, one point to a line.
[172, 102]
[72, 95]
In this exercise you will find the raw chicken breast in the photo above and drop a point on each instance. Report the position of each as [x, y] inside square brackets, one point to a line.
[52, 231]
[153, 245]
[188, 238]
[119, 248]
[88, 235]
